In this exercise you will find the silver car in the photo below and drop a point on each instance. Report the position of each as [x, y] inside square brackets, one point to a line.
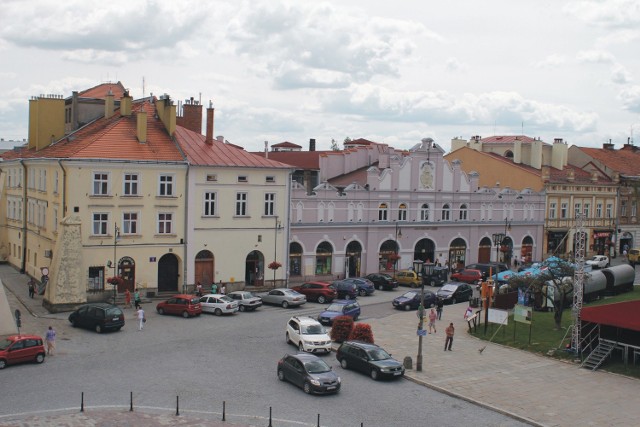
[284, 297]
[218, 304]
[246, 300]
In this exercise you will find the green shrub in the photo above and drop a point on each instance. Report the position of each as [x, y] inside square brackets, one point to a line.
[341, 328]
[361, 332]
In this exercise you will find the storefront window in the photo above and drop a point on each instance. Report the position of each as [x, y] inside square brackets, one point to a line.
[324, 253]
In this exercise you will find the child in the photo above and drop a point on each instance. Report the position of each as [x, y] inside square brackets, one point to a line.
[432, 320]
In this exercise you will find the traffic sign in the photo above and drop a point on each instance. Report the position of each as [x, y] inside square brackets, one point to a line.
[421, 332]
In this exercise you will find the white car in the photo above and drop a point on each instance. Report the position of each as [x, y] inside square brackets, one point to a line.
[598, 261]
[308, 334]
[218, 304]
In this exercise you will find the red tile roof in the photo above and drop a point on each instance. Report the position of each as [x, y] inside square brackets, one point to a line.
[625, 161]
[580, 176]
[362, 141]
[100, 91]
[506, 139]
[307, 160]
[286, 144]
[217, 153]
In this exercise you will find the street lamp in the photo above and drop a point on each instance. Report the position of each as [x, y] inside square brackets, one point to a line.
[398, 236]
[116, 236]
[498, 238]
[275, 247]
[427, 271]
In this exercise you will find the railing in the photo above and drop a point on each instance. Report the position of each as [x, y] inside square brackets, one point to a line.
[590, 339]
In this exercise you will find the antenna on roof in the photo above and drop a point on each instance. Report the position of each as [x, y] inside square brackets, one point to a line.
[143, 92]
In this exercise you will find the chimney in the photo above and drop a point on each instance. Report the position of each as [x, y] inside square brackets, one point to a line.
[266, 149]
[312, 144]
[571, 175]
[108, 105]
[608, 145]
[141, 126]
[629, 144]
[191, 116]
[594, 177]
[125, 104]
[209, 134]
[545, 173]
[46, 120]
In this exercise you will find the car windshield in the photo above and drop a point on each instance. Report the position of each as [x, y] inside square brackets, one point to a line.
[195, 300]
[449, 288]
[335, 307]
[247, 295]
[225, 298]
[313, 330]
[317, 367]
[378, 354]
[4, 344]
[292, 292]
[410, 294]
[386, 276]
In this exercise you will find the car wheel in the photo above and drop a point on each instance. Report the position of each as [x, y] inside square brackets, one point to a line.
[355, 318]
[74, 323]
[285, 304]
[280, 374]
[433, 283]
[287, 338]
[185, 314]
[374, 375]
[242, 308]
[99, 329]
[3, 363]
[300, 346]
[363, 293]
[40, 358]
[453, 300]
[160, 311]
[217, 312]
[347, 297]
[322, 299]
[344, 364]
[378, 287]
[407, 307]
[307, 388]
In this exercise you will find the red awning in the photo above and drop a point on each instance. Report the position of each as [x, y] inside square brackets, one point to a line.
[623, 315]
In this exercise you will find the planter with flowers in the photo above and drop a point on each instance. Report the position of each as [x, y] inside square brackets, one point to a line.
[274, 265]
[115, 280]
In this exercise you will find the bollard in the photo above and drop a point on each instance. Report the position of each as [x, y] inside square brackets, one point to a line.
[318, 421]
[408, 363]
[224, 410]
[82, 402]
[270, 425]
[177, 405]
[130, 401]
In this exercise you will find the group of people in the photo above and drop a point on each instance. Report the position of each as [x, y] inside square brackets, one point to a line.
[436, 314]
[214, 288]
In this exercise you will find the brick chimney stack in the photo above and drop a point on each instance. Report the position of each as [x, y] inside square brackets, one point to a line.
[209, 134]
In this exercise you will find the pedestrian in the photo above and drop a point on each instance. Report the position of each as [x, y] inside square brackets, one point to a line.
[50, 339]
[468, 313]
[223, 289]
[199, 289]
[141, 318]
[32, 287]
[515, 262]
[214, 288]
[432, 321]
[439, 307]
[136, 298]
[127, 298]
[449, 340]
[446, 265]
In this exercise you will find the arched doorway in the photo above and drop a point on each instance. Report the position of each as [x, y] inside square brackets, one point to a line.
[526, 252]
[484, 250]
[295, 259]
[204, 268]
[626, 242]
[127, 268]
[324, 254]
[387, 256]
[168, 273]
[457, 253]
[254, 269]
[352, 259]
[425, 251]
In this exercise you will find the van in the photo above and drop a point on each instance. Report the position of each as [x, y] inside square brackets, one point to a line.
[634, 256]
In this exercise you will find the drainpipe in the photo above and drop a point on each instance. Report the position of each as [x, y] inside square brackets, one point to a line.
[186, 232]
[64, 188]
[24, 217]
[617, 242]
[287, 218]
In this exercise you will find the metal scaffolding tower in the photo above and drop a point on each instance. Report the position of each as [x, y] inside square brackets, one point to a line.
[580, 240]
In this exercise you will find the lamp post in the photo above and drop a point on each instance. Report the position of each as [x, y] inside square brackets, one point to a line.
[398, 236]
[498, 238]
[275, 247]
[427, 271]
[116, 236]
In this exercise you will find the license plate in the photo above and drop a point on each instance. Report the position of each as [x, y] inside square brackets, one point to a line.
[115, 319]
[332, 387]
[397, 373]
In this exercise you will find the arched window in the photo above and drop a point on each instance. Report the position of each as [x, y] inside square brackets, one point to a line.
[323, 258]
[383, 212]
[360, 212]
[320, 212]
[424, 212]
[350, 212]
[446, 212]
[463, 212]
[402, 212]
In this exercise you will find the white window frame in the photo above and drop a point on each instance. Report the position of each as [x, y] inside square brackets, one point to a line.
[100, 225]
[598, 210]
[446, 212]
[164, 223]
[586, 209]
[241, 203]
[564, 210]
[100, 181]
[424, 212]
[609, 210]
[130, 222]
[269, 204]
[131, 184]
[166, 185]
[55, 220]
[402, 212]
[209, 203]
[383, 212]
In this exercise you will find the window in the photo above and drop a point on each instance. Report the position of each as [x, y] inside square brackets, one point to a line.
[243, 178]
[165, 223]
[463, 212]
[634, 209]
[100, 184]
[446, 212]
[609, 210]
[424, 212]
[209, 203]
[552, 210]
[269, 204]
[587, 207]
[130, 184]
[383, 212]
[598, 210]
[100, 224]
[56, 180]
[623, 208]
[402, 212]
[130, 223]
[55, 220]
[241, 204]
[212, 177]
[271, 179]
[165, 185]
[564, 209]
[577, 208]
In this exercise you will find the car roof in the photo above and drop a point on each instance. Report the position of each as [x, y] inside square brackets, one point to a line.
[306, 320]
[213, 295]
[99, 305]
[304, 357]
[317, 282]
[182, 296]
[16, 337]
[363, 345]
[343, 301]
[456, 283]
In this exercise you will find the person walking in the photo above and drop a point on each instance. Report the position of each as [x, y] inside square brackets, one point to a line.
[50, 339]
[214, 288]
[199, 289]
[140, 317]
[432, 321]
[223, 289]
[449, 340]
[439, 307]
[127, 298]
[32, 287]
[136, 298]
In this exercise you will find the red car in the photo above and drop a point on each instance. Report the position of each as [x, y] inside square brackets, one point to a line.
[317, 291]
[21, 348]
[182, 304]
[468, 276]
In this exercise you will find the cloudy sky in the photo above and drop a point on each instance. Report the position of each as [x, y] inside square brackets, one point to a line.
[391, 72]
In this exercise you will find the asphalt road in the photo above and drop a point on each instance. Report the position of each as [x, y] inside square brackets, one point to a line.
[208, 360]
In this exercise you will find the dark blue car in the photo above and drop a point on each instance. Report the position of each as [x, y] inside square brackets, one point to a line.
[339, 308]
[411, 300]
[364, 286]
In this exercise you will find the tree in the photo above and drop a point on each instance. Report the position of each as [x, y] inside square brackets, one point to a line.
[549, 280]
[347, 140]
[334, 145]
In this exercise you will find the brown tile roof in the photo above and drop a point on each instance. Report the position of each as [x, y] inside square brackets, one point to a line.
[506, 139]
[626, 161]
[217, 153]
[358, 175]
[114, 138]
[581, 176]
[362, 141]
[306, 160]
[286, 144]
[100, 91]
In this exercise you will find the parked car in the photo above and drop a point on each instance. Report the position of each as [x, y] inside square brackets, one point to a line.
[454, 292]
[308, 335]
[339, 308]
[284, 297]
[308, 372]
[246, 300]
[99, 316]
[383, 281]
[468, 275]
[317, 291]
[345, 290]
[494, 267]
[218, 304]
[364, 286]
[598, 261]
[21, 348]
[370, 359]
[408, 278]
[182, 304]
[411, 300]
[634, 256]
[439, 277]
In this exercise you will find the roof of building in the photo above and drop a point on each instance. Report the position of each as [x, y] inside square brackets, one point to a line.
[625, 161]
[359, 176]
[507, 139]
[100, 91]
[580, 176]
[286, 144]
[218, 153]
[305, 160]
[622, 315]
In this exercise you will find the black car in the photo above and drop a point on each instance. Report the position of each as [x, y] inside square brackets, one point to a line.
[308, 372]
[382, 281]
[439, 277]
[454, 292]
[345, 290]
[364, 286]
[98, 316]
[370, 359]
[411, 300]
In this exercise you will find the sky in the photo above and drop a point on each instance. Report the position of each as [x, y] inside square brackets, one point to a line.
[389, 72]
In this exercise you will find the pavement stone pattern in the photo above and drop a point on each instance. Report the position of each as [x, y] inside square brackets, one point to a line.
[535, 389]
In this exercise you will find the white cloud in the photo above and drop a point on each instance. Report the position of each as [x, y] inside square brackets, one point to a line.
[595, 56]
[608, 14]
[551, 61]
[620, 75]
[630, 98]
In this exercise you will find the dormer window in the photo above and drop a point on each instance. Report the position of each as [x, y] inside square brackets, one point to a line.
[243, 178]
